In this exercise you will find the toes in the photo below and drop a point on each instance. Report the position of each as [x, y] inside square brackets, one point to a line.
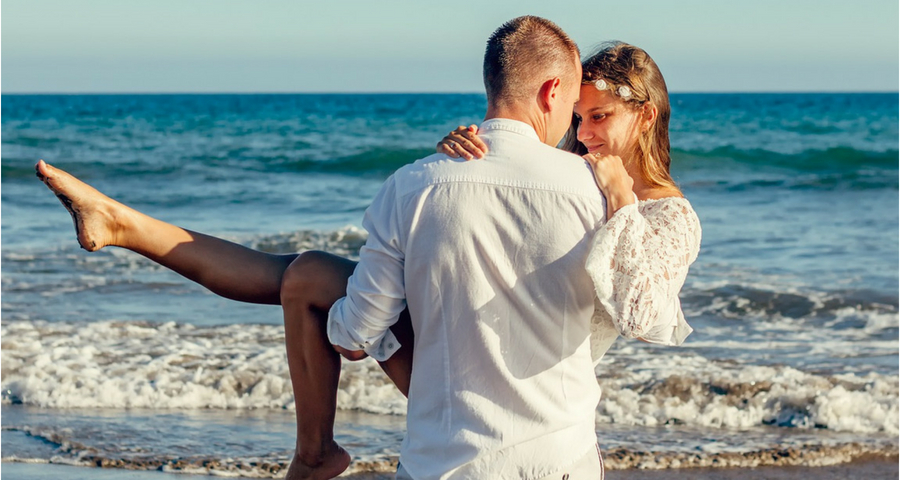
[39, 169]
[40, 174]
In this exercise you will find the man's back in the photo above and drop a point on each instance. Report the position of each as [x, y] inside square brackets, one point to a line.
[494, 250]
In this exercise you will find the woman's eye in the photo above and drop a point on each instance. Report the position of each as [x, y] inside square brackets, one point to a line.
[598, 116]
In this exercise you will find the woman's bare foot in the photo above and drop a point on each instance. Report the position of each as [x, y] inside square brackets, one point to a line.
[325, 467]
[94, 214]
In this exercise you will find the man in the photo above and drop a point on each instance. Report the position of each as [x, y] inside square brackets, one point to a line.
[489, 258]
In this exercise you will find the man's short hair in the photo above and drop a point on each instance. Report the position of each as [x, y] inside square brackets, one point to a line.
[522, 54]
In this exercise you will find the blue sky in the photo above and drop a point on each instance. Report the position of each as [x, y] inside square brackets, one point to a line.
[409, 46]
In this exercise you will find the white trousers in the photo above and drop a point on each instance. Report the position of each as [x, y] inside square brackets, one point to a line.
[588, 467]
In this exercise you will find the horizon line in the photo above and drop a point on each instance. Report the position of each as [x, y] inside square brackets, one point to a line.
[224, 92]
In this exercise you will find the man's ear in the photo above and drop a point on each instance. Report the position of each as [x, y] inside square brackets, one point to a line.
[548, 94]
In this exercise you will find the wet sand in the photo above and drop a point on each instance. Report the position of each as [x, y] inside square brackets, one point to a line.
[870, 469]
[879, 468]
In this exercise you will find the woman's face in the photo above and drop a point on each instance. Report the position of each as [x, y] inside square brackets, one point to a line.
[608, 125]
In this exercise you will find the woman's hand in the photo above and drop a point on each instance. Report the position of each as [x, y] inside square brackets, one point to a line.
[612, 178]
[463, 142]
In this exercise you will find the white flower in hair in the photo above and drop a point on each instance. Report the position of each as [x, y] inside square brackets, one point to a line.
[601, 84]
[624, 92]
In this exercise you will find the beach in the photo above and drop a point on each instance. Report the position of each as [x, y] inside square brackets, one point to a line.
[110, 359]
[872, 468]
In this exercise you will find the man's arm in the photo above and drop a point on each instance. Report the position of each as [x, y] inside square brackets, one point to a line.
[376, 294]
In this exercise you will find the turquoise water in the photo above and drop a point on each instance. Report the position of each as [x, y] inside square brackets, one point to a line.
[796, 284]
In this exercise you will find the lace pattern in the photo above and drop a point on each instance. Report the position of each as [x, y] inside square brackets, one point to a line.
[639, 261]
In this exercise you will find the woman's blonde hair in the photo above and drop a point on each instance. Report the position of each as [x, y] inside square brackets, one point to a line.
[623, 65]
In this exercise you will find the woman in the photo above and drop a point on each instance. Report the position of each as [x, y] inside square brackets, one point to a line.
[622, 123]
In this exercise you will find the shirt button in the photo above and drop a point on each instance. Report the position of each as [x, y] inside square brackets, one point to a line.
[390, 345]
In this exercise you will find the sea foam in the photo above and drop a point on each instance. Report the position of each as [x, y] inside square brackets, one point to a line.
[181, 366]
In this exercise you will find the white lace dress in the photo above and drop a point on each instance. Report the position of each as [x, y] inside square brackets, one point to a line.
[639, 260]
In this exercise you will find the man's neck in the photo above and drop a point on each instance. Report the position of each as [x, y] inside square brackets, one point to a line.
[530, 118]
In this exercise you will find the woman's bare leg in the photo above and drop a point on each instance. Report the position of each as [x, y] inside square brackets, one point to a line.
[228, 269]
[306, 288]
[311, 286]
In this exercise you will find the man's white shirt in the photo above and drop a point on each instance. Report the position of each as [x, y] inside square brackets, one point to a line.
[489, 256]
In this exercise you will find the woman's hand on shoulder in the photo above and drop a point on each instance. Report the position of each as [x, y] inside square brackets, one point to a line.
[610, 173]
[612, 178]
[463, 142]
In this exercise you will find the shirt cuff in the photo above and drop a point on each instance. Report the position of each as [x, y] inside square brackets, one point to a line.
[380, 348]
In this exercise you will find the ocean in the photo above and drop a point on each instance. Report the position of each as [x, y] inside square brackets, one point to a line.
[110, 360]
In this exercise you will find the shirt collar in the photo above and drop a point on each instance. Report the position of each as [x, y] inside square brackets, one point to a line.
[509, 125]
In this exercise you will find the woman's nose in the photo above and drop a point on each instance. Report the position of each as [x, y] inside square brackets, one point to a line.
[582, 133]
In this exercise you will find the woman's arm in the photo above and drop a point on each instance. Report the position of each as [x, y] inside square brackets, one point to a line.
[463, 142]
[639, 261]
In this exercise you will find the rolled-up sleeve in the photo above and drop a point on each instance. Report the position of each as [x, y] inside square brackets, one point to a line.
[376, 294]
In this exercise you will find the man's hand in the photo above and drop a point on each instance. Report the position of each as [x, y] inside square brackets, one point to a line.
[352, 355]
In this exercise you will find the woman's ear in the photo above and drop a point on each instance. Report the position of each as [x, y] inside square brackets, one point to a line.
[649, 112]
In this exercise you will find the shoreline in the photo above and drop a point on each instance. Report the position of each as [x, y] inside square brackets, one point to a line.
[870, 467]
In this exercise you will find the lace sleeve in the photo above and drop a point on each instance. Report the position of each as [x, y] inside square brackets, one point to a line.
[639, 261]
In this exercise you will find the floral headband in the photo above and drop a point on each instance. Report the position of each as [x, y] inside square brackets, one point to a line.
[623, 91]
